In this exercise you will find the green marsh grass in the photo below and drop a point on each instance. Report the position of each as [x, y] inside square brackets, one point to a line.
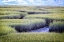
[11, 14]
[6, 30]
[24, 24]
[43, 16]
[13, 36]
[33, 37]
[56, 27]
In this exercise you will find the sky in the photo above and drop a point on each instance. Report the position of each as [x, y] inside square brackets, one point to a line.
[33, 2]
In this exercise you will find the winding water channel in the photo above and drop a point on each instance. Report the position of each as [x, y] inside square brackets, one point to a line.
[45, 29]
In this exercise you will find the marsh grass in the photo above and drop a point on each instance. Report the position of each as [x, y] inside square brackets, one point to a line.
[32, 37]
[8, 14]
[13, 16]
[57, 27]
[6, 30]
[9, 34]
[24, 24]
[43, 16]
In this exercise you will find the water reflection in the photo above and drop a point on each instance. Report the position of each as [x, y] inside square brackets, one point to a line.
[45, 29]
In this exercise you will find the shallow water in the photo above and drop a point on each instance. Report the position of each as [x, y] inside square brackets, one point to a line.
[45, 29]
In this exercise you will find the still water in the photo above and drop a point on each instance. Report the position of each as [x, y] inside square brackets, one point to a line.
[45, 29]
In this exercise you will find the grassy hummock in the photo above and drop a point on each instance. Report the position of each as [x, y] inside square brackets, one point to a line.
[7, 14]
[6, 30]
[24, 24]
[43, 16]
[57, 27]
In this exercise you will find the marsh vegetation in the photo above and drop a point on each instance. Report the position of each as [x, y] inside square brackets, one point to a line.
[31, 24]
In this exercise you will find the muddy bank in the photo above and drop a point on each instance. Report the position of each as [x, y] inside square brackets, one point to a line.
[28, 27]
[48, 21]
[38, 12]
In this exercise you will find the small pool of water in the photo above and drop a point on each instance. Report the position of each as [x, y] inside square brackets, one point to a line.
[45, 29]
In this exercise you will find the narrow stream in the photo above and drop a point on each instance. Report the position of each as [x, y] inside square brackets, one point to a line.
[45, 29]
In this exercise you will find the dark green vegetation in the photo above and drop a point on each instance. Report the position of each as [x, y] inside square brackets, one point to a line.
[57, 27]
[15, 19]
